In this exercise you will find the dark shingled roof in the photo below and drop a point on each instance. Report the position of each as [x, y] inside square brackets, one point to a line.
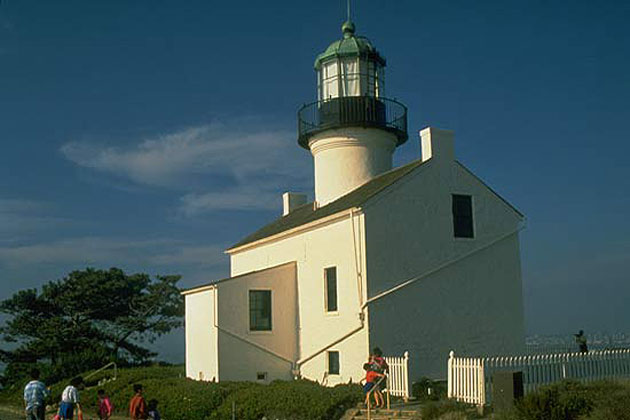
[305, 214]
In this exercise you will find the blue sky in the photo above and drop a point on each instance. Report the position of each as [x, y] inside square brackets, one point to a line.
[150, 135]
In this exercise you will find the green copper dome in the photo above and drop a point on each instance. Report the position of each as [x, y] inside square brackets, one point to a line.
[349, 46]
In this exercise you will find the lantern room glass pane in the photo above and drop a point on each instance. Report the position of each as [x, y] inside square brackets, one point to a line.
[370, 79]
[350, 77]
[379, 85]
[330, 82]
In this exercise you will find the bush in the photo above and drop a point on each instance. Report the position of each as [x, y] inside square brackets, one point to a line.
[564, 401]
[420, 390]
[448, 409]
[612, 401]
[184, 399]
[603, 400]
[289, 401]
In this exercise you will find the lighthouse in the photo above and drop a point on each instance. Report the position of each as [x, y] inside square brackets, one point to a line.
[352, 129]
[419, 259]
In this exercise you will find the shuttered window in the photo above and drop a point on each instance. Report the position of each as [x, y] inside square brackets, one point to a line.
[463, 216]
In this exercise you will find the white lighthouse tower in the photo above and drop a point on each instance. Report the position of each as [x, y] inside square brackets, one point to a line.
[352, 129]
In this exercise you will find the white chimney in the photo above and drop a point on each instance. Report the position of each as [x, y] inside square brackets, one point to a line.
[438, 144]
[291, 201]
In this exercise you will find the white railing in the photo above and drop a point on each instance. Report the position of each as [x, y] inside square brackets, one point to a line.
[567, 348]
[398, 378]
[466, 379]
[470, 378]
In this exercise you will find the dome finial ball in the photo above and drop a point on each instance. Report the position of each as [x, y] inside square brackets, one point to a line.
[348, 29]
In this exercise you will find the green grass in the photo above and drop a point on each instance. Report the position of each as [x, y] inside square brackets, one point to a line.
[183, 399]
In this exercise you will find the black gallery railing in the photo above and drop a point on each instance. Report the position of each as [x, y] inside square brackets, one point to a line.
[352, 111]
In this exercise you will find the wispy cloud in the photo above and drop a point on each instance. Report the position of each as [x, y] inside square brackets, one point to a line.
[113, 252]
[168, 160]
[247, 199]
[19, 216]
[199, 255]
[242, 165]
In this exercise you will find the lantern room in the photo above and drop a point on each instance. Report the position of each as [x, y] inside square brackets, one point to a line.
[351, 91]
[350, 66]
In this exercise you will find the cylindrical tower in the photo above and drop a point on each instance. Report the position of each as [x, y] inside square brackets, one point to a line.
[352, 129]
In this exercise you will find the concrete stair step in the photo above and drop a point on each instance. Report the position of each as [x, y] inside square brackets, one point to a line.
[382, 414]
[383, 417]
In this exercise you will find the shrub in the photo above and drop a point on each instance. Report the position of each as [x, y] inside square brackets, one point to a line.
[184, 399]
[420, 390]
[612, 401]
[289, 401]
[447, 409]
[564, 401]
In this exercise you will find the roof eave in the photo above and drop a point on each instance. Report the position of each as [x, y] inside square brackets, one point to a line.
[213, 285]
[290, 232]
[510, 205]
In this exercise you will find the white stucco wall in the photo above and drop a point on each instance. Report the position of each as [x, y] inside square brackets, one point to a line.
[313, 250]
[201, 336]
[239, 358]
[475, 305]
[347, 158]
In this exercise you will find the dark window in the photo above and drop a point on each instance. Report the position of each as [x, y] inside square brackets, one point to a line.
[260, 310]
[261, 376]
[462, 216]
[333, 363]
[331, 288]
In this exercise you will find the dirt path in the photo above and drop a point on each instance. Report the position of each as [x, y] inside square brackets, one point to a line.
[10, 413]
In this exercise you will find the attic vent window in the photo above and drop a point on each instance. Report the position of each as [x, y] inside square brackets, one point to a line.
[462, 216]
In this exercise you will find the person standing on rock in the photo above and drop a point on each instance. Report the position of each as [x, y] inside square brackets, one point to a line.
[35, 394]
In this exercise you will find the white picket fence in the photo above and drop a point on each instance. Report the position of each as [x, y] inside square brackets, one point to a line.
[398, 378]
[470, 378]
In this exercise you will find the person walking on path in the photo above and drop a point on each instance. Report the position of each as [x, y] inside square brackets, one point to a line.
[137, 405]
[70, 400]
[35, 394]
[580, 339]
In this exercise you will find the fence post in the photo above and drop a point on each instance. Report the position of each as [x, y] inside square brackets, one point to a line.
[482, 384]
[405, 377]
[451, 356]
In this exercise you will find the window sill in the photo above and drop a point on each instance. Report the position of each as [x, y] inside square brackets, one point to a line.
[250, 332]
[331, 313]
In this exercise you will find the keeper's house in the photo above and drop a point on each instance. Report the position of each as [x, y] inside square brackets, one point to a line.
[421, 258]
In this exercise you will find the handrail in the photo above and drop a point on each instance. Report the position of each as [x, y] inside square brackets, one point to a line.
[103, 368]
[386, 377]
[352, 111]
[441, 267]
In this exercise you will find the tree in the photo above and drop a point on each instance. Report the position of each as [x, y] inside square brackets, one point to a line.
[87, 319]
